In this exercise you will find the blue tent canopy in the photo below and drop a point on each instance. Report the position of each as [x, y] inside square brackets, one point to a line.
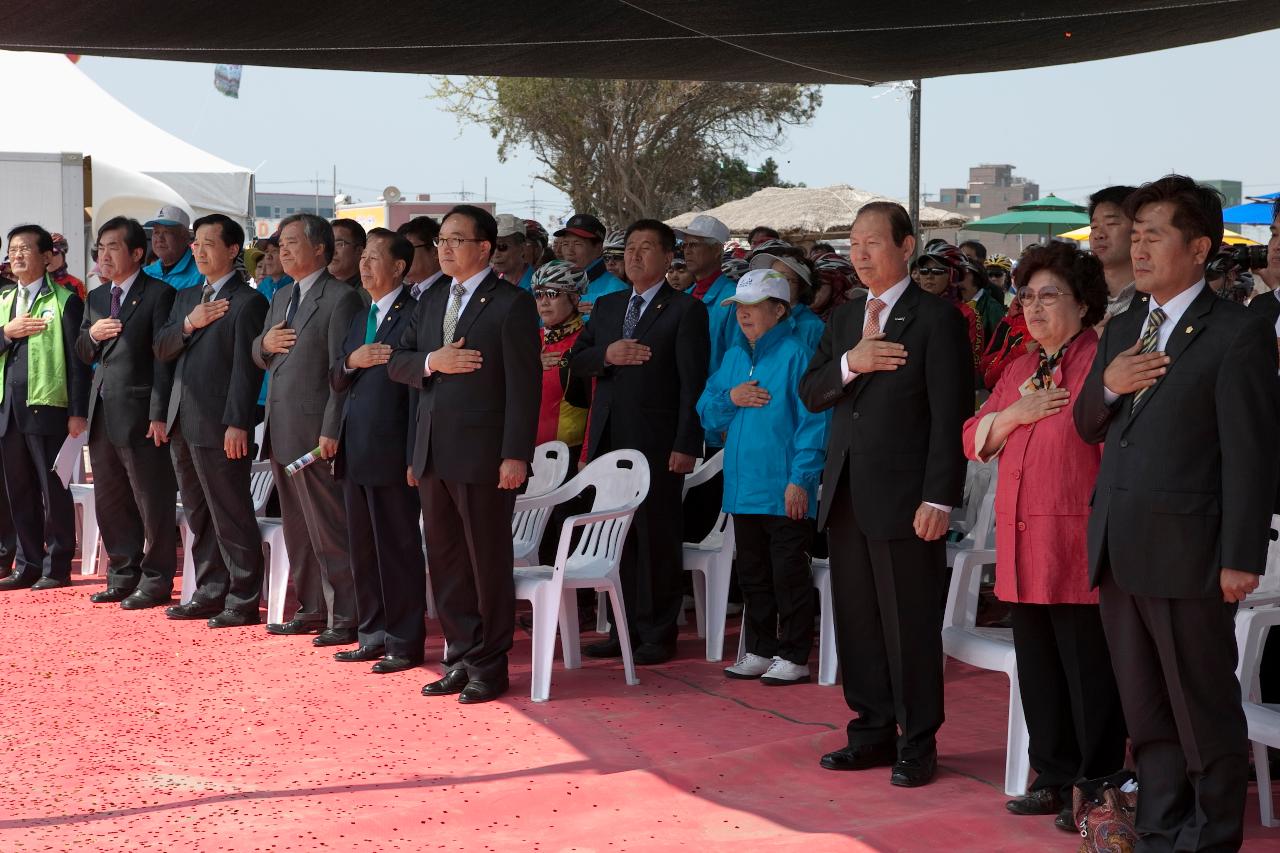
[1259, 210]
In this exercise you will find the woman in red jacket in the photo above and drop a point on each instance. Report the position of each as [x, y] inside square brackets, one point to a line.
[1045, 478]
[557, 286]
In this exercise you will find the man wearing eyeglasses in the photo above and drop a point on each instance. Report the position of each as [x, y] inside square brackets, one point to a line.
[472, 348]
[509, 255]
[348, 243]
[421, 232]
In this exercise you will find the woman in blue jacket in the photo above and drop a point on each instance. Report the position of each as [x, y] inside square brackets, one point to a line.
[773, 455]
[799, 273]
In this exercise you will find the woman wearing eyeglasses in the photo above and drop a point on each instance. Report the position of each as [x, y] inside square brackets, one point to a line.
[939, 272]
[1045, 480]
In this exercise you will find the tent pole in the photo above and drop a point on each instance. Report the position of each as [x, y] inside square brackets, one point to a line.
[913, 198]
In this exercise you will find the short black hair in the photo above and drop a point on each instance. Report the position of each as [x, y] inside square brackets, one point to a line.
[1197, 209]
[44, 240]
[424, 228]
[771, 233]
[356, 229]
[666, 237]
[485, 224]
[1110, 195]
[978, 249]
[316, 228]
[230, 231]
[1082, 271]
[401, 248]
[899, 219]
[823, 247]
[135, 236]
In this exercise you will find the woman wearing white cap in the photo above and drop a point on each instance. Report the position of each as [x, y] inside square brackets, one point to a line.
[773, 455]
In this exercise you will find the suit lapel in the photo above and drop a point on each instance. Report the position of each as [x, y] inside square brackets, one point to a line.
[388, 324]
[310, 302]
[131, 300]
[1190, 325]
[894, 323]
[477, 303]
[228, 292]
[654, 311]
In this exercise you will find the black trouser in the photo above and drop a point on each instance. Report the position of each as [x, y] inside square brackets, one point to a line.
[1175, 661]
[777, 587]
[8, 535]
[888, 597]
[469, 539]
[42, 508]
[134, 490]
[387, 560]
[226, 545]
[1068, 694]
[313, 512]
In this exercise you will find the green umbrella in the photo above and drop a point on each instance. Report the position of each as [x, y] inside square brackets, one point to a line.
[1048, 216]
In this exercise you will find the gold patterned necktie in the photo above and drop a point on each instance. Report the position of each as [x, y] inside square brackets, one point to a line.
[1150, 338]
[455, 308]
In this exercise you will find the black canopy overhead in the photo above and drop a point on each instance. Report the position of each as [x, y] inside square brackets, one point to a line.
[819, 41]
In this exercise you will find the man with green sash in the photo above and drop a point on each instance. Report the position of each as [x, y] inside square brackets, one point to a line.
[44, 397]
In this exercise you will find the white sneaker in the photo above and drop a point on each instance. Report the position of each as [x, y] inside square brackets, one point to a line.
[750, 666]
[782, 672]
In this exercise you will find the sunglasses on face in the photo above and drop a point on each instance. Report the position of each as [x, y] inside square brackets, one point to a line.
[931, 271]
[1048, 296]
[547, 295]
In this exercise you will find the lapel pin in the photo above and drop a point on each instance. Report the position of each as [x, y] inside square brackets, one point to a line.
[482, 300]
[899, 319]
[1188, 330]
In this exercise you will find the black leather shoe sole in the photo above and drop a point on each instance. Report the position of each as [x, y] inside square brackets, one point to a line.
[362, 654]
[234, 619]
[1042, 802]
[293, 628]
[649, 654]
[453, 682]
[335, 638]
[477, 692]
[860, 757]
[16, 582]
[1066, 820]
[914, 774]
[191, 610]
[142, 601]
[50, 583]
[110, 596]
[605, 649]
[395, 663]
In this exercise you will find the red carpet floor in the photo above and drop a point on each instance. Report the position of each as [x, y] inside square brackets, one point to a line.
[129, 732]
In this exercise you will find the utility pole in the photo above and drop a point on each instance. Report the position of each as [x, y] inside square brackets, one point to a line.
[913, 199]
[317, 192]
[335, 186]
[486, 187]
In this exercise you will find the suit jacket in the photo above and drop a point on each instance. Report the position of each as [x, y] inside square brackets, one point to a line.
[301, 406]
[215, 381]
[467, 423]
[1267, 306]
[897, 432]
[129, 383]
[376, 441]
[650, 407]
[1188, 478]
[44, 420]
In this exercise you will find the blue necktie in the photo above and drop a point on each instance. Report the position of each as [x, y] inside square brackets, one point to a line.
[632, 319]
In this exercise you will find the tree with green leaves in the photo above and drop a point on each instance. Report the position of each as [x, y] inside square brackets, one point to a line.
[625, 149]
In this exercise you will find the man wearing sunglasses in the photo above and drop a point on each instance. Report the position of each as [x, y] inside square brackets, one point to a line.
[509, 255]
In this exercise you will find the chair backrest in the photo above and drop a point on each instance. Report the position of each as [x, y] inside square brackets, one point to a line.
[550, 467]
[1269, 586]
[262, 483]
[721, 535]
[703, 471]
[621, 480]
[983, 533]
[1252, 627]
[979, 477]
[962, 596]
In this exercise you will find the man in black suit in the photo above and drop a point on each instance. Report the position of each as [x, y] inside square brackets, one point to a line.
[472, 347]
[647, 348]
[896, 367]
[1268, 304]
[374, 448]
[209, 334]
[45, 390]
[134, 485]
[1183, 392]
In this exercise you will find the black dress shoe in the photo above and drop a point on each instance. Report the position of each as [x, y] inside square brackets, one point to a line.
[1066, 819]
[647, 654]
[603, 649]
[396, 663]
[861, 757]
[110, 595]
[294, 626]
[234, 619]
[1040, 801]
[50, 583]
[193, 610]
[139, 600]
[336, 637]
[478, 691]
[914, 772]
[360, 654]
[453, 682]
[16, 582]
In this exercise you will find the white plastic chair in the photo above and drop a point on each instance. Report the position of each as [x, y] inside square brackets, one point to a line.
[90, 541]
[979, 480]
[711, 562]
[1268, 591]
[1252, 627]
[702, 472]
[982, 536]
[990, 649]
[621, 482]
[261, 485]
[550, 467]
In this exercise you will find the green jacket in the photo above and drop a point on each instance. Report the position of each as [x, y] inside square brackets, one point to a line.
[46, 351]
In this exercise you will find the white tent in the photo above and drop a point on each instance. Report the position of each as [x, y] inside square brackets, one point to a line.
[100, 126]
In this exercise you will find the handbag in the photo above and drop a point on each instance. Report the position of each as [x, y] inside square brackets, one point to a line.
[1104, 810]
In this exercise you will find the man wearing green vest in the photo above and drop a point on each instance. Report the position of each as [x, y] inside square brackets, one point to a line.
[44, 397]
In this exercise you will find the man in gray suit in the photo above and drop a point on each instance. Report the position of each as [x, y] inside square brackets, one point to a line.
[301, 338]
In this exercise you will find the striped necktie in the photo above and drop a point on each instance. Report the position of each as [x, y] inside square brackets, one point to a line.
[1150, 338]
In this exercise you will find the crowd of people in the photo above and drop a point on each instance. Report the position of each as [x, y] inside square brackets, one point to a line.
[402, 380]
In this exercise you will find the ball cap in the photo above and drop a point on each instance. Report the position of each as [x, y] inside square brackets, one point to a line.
[583, 225]
[170, 215]
[704, 227]
[764, 261]
[758, 285]
[509, 225]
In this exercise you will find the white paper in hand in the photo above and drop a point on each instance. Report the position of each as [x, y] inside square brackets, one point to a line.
[68, 456]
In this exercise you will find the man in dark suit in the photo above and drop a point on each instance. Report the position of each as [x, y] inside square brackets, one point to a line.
[1268, 304]
[374, 448]
[896, 367]
[209, 334]
[472, 347]
[647, 349]
[45, 398]
[1183, 392]
[133, 480]
[301, 339]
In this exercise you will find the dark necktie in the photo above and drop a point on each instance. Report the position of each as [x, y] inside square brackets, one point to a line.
[294, 299]
[116, 293]
[632, 319]
[206, 292]
[1150, 337]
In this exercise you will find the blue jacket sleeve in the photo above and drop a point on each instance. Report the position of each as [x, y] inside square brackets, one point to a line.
[811, 434]
[715, 409]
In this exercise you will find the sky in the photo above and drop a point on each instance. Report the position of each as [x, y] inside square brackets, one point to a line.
[1200, 110]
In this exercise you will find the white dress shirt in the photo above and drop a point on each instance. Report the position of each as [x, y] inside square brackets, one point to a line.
[1276, 294]
[646, 297]
[304, 284]
[469, 286]
[1173, 311]
[384, 305]
[890, 298]
[124, 291]
[417, 290]
[217, 285]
